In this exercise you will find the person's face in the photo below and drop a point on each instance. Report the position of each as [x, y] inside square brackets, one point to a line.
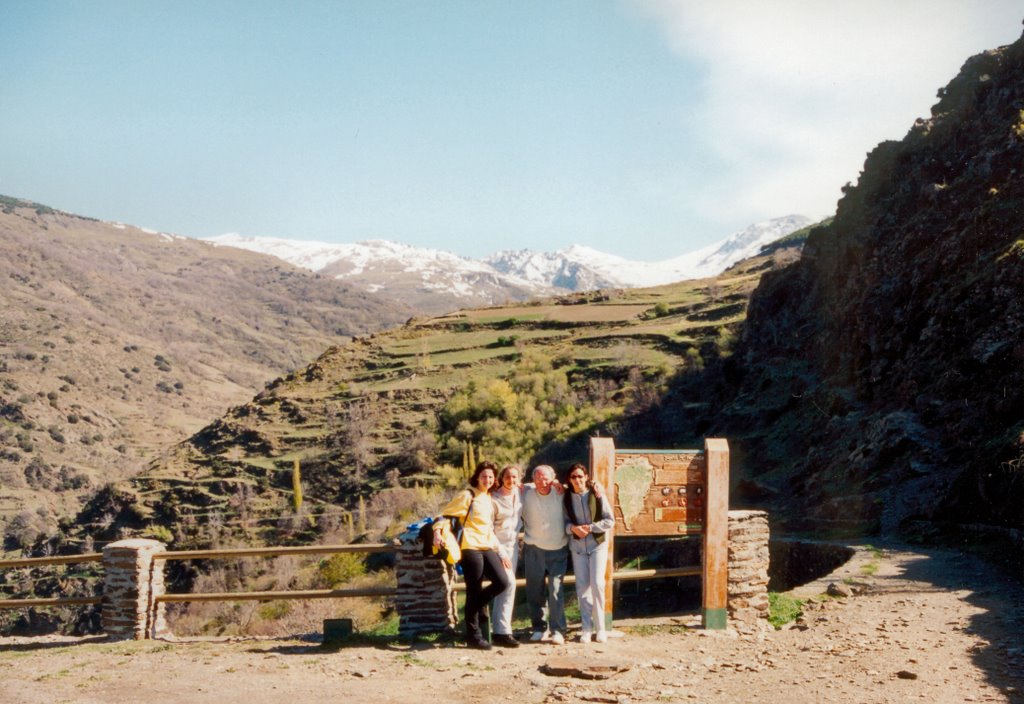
[543, 481]
[511, 479]
[578, 480]
[486, 480]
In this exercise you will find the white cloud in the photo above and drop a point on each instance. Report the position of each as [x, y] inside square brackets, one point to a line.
[797, 92]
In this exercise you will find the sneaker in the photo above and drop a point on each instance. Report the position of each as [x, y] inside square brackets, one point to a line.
[585, 636]
[478, 644]
[537, 636]
[557, 638]
[505, 640]
[601, 637]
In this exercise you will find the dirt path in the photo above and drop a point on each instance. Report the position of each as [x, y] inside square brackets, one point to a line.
[933, 627]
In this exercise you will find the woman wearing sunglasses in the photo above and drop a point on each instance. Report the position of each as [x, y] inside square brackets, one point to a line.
[589, 520]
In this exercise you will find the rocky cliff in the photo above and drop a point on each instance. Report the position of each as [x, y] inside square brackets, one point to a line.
[881, 375]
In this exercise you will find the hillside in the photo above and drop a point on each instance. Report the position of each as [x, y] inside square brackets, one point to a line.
[880, 381]
[370, 420]
[117, 342]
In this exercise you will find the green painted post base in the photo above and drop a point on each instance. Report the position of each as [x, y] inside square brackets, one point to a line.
[336, 629]
[714, 619]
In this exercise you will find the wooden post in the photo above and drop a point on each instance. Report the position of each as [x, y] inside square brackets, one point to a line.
[602, 470]
[716, 535]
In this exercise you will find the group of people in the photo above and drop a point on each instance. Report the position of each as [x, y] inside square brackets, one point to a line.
[556, 522]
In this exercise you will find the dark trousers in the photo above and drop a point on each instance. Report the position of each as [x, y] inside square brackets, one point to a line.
[478, 565]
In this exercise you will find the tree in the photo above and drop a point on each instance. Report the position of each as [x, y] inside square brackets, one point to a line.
[516, 416]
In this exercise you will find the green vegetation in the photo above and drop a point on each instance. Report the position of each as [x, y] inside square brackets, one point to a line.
[511, 419]
[783, 608]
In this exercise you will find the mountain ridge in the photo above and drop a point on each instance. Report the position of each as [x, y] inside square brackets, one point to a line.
[404, 270]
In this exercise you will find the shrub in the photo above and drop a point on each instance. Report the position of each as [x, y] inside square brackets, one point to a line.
[341, 568]
[161, 533]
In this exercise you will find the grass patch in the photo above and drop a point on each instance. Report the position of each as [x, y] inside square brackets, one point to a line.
[783, 608]
[870, 568]
[650, 630]
[410, 659]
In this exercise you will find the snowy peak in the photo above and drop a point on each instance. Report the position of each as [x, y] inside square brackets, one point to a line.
[434, 280]
[749, 242]
[579, 267]
[429, 279]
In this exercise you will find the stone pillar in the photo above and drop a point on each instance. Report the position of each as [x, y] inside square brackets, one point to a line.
[132, 580]
[748, 568]
[426, 596]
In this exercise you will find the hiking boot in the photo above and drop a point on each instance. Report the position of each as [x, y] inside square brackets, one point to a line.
[505, 640]
[478, 644]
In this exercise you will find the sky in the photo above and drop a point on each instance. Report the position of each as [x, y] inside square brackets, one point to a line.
[643, 128]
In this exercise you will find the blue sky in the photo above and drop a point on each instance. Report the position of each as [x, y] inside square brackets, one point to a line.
[644, 128]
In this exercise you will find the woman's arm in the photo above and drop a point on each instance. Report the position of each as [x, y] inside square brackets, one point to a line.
[606, 521]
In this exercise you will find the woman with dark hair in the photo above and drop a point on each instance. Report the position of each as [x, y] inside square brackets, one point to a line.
[480, 559]
[588, 521]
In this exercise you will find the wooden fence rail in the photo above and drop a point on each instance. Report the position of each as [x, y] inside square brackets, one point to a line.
[56, 560]
[228, 553]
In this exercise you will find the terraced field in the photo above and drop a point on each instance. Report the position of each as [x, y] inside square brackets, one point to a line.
[355, 417]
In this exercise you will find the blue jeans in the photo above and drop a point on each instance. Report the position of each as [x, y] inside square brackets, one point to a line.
[545, 571]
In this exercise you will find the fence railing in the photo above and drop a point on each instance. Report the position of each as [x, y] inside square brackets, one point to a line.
[297, 594]
[133, 597]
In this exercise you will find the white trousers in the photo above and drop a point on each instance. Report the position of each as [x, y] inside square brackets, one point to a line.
[501, 611]
[590, 572]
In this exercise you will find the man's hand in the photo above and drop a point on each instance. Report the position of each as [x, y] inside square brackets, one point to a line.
[506, 563]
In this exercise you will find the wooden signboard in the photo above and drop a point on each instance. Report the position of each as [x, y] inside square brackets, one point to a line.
[671, 492]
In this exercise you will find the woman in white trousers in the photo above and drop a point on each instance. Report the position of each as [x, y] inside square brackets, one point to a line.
[508, 509]
[588, 522]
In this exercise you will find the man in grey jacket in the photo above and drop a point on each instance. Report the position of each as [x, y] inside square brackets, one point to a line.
[545, 557]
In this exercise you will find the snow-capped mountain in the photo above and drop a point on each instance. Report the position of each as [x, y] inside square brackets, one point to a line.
[428, 279]
[593, 269]
[435, 281]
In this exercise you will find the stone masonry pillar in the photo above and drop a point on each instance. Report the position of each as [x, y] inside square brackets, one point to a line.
[132, 580]
[748, 568]
[426, 590]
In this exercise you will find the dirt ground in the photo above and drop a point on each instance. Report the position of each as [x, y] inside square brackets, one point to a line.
[924, 626]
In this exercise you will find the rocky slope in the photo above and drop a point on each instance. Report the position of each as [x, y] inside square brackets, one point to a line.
[116, 342]
[881, 377]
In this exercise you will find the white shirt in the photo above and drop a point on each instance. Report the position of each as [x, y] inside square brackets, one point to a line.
[544, 520]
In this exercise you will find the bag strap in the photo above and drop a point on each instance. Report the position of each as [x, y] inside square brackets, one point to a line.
[465, 520]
